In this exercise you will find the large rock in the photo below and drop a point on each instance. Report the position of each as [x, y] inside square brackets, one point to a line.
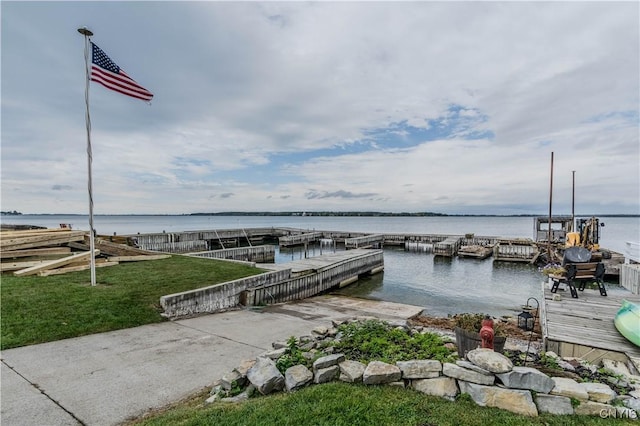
[599, 409]
[516, 401]
[232, 379]
[569, 388]
[565, 365]
[320, 330]
[297, 377]
[378, 372]
[279, 345]
[244, 366]
[420, 369]
[553, 404]
[274, 354]
[264, 375]
[489, 360]
[457, 372]
[471, 366]
[327, 361]
[599, 392]
[633, 403]
[351, 371]
[444, 387]
[324, 375]
[527, 378]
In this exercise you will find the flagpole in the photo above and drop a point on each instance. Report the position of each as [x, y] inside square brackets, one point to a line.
[87, 33]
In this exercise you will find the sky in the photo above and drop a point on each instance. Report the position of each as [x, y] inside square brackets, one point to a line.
[449, 107]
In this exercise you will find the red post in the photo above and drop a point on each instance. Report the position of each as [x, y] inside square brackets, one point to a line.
[486, 333]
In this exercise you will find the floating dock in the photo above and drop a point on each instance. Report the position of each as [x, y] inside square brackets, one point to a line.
[448, 247]
[474, 251]
[584, 328]
[508, 250]
[515, 250]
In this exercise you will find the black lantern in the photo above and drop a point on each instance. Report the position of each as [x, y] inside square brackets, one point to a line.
[526, 320]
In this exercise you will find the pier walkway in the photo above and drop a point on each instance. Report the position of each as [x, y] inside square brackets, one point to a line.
[584, 328]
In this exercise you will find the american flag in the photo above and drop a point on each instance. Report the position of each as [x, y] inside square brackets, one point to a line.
[111, 76]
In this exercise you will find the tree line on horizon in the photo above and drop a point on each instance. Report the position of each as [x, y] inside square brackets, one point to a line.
[385, 214]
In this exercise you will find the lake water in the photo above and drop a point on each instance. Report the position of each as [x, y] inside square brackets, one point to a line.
[442, 286]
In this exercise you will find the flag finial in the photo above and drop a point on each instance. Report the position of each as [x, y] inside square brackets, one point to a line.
[85, 31]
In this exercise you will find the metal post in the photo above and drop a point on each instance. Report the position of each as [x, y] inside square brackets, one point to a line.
[87, 33]
[550, 203]
[573, 201]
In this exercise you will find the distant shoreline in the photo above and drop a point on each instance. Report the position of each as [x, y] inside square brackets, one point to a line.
[322, 214]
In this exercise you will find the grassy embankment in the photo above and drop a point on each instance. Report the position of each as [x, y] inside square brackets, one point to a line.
[43, 309]
[346, 404]
[350, 404]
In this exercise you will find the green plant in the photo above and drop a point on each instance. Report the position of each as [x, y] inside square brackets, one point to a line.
[549, 361]
[292, 356]
[473, 323]
[236, 389]
[553, 269]
[463, 397]
[375, 340]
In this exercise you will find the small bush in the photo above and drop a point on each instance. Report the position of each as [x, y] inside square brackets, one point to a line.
[375, 340]
[473, 323]
[292, 356]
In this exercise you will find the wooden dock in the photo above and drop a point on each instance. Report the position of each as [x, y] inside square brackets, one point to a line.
[300, 239]
[448, 247]
[475, 251]
[312, 276]
[584, 328]
[366, 241]
[515, 250]
[258, 254]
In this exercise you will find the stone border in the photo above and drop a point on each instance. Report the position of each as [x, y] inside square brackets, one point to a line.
[488, 377]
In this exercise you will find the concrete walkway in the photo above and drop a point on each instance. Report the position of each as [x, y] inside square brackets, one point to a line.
[108, 378]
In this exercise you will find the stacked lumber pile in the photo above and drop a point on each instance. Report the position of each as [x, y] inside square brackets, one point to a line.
[58, 251]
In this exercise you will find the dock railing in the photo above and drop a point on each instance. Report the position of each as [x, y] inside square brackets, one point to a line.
[632, 252]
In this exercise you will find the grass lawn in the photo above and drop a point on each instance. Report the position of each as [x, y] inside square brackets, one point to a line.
[43, 309]
[337, 403]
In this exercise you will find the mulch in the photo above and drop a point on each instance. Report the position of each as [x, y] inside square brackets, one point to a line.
[508, 326]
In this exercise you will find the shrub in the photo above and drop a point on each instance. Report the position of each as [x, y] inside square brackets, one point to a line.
[473, 323]
[375, 340]
[292, 356]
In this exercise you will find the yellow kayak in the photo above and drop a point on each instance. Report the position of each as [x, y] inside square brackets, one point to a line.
[627, 321]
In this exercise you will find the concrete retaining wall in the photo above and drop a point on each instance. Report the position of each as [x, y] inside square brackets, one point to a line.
[216, 297]
[270, 287]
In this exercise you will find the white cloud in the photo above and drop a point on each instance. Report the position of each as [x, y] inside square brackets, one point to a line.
[240, 86]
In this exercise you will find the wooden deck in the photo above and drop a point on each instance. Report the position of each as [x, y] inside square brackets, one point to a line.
[316, 263]
[584, 328]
